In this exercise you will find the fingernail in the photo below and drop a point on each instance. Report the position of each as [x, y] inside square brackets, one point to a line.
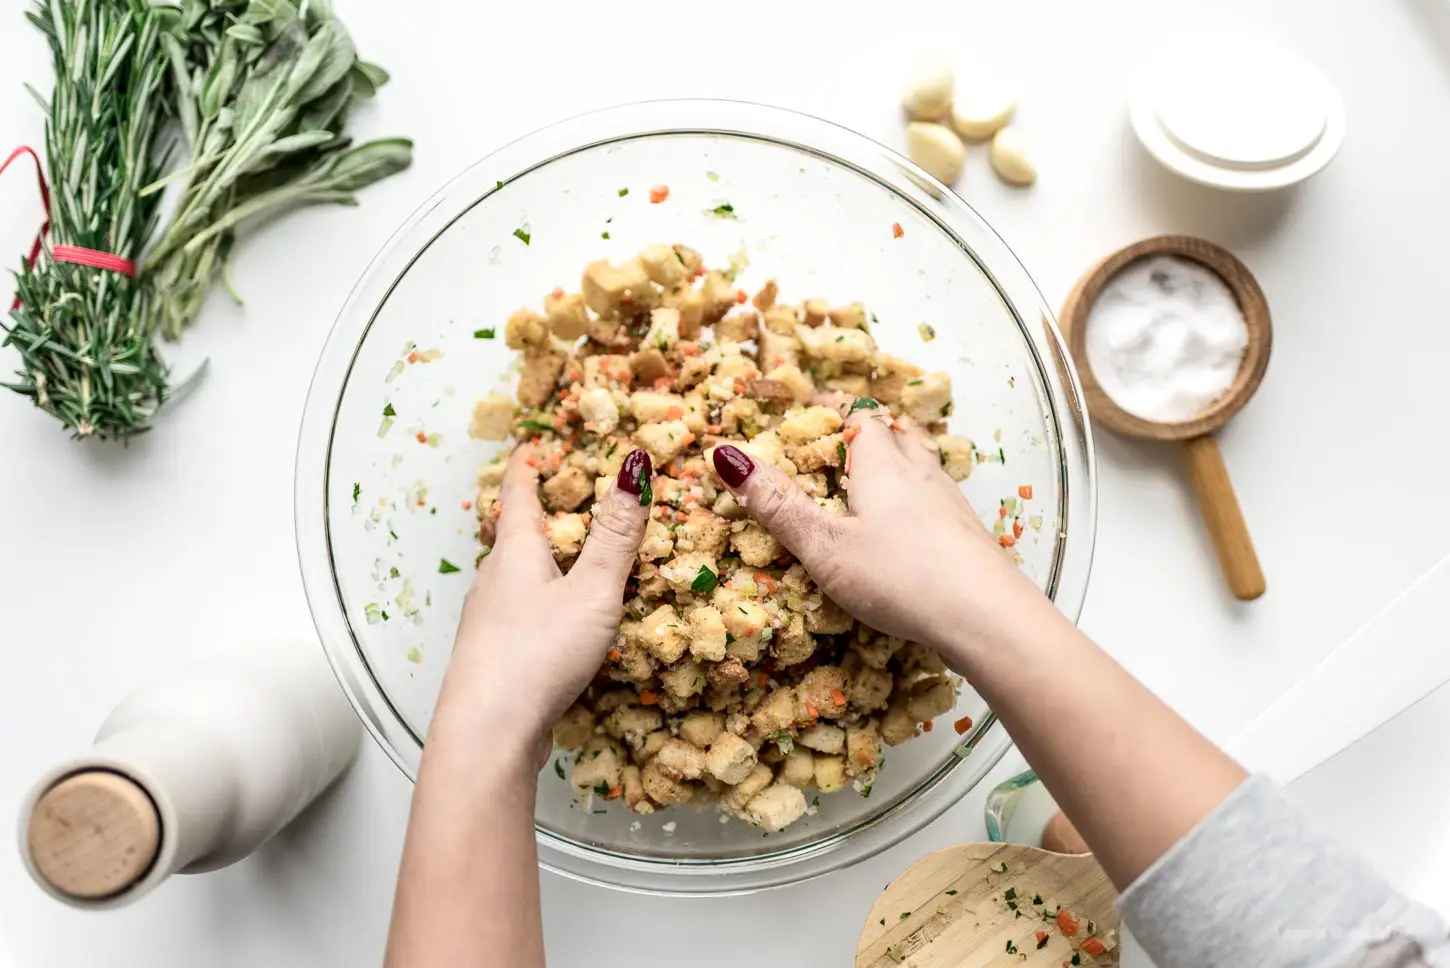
[635, 473]
[732, 465]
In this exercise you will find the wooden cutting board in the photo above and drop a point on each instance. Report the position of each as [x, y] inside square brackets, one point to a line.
[983, 906]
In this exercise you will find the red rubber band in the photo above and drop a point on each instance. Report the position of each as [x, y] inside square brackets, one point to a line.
[62, 253]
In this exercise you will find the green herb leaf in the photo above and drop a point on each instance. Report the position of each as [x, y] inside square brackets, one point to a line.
[1002, 869]
[601, 788]
[647, 493]
[905, 915]
[841, 451]
[952, 892]
[484, 333]
[1037, 899]
[725, 210]
[522, 236]
[388, 411]
[559, 769]
[1011, 894]
[604, 235]
[863, 403]
[623, 192]
[1001, 455]
[1011, 948]
[536, 425]
[356, 491]
[705, 581]
[497, 185]
[946, 409]
[446, 567]
[1042, 942]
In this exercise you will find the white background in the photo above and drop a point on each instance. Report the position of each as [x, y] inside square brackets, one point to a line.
[117, 564]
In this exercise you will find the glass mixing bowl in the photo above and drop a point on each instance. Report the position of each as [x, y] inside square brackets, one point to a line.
[814, 206]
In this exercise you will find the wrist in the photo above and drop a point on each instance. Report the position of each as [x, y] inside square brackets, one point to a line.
[487, 741]
[1003, 610]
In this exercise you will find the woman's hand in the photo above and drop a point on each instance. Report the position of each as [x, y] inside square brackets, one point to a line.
[531, 638]
[912, 559]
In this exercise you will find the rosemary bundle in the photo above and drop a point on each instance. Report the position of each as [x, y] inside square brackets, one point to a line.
[84, 334]
[260, 90]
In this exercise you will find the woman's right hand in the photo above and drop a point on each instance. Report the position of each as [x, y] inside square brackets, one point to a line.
[911, 559]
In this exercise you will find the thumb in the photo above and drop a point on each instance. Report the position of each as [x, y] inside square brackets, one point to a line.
[777, 503]
[617, 527]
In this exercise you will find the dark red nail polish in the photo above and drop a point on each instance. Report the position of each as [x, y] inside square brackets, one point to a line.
[732, 465]
[635, 473]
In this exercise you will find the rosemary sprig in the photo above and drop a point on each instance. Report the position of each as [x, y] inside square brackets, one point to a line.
[83, 334]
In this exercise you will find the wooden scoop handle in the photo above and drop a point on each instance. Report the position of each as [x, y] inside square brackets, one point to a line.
[1225, 521]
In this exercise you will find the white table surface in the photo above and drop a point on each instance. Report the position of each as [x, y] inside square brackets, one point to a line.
[117, 564]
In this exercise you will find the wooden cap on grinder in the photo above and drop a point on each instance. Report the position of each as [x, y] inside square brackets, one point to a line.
[94, 834]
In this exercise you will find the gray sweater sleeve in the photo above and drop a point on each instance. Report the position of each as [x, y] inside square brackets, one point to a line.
[1254, 885]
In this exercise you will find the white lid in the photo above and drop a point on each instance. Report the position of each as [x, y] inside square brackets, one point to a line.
[1237, 114]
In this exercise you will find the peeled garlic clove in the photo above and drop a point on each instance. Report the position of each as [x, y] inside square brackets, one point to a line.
[935, 148]
[982, 113]
[1011, 159]
[928, 95]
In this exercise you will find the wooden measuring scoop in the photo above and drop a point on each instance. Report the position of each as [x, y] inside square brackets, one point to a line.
[1206, 469]
[994, 906]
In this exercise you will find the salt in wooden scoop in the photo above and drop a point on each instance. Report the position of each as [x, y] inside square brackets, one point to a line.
[1206, 471]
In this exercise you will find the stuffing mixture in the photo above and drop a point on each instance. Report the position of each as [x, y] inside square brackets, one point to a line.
[733, 681]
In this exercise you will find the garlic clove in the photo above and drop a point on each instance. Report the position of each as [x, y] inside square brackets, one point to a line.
[935, 148]
[928, 94]
[1011, 159]
[982, 112]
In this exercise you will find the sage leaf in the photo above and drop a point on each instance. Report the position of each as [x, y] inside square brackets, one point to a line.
[247, 34]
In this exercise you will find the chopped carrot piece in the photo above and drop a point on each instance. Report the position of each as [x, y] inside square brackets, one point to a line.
[466, 505]
[687, 440]
[1041, 936]
[586, 517]
[658, 194]
[557, 292]
[926, 727]
[422, 437]
[412, 357]
[614, 655]
[761, 578]
[681, 517]
[740, 296]
[532, 460]
[1025, 492]
[690, 349]
[647, 698]
[850, 433]
[812, 712]
[962, 725]
[1006, 540]
[1016, 529]
[896, 230]
[712, 429]
[663, 383]
[1066, 923]
[1094, 947]
[1001, 510]
[838, 697]
[674, 413]
[863, 757]
[613, 793]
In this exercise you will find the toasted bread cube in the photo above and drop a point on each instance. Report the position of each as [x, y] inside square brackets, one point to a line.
[778, 349]
[718, 294]
[703, 531]
[863, 749]
[828, 451]
[526, 328]
[830, 773]
[568, 317]
[573, 729]
[897, 725]
[956, 455]
[663, 265]
[829, 619]
[664, 330]
[597, 767]
[836, 344]
[869, 688]
[567, 489]
[664, 634]
[664, 441]
[649, 364]
[647, 406]
[658, 542]
[493, 418]
[681, 759]
[890, 376]
[600, 412]
[566, 534]
[730, 759]
[632, 786]
[851, 384]
[738, 326]
[745, 621]
[823, 738]
[765, 299]
[756, 780]
[702, 727]
[792, 643]
[776, 807]
[798, 768]
[633, 723]
[849, 317]
[928, 400]
[930, 698]
[809, 424]
[540, 375]
[824, 689]
[779, 710]
[756, 546]
[664, 789]
[618, 290]
[801, 386]
[684, 679]
[707, 633]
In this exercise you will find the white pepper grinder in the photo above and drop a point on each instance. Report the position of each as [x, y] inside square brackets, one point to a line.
[189, 774]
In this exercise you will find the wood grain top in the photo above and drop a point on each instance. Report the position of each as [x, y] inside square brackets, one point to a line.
[94, 834]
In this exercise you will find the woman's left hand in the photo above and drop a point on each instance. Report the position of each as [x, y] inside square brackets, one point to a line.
[531, 638]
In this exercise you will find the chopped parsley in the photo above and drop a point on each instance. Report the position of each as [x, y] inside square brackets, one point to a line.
[1002, 869]
[680, 256]
[1076, 959]
[1042, 942]
[646, 492]
[559, 769]
[446, 567]
[785, 741]
[388, 411]
[905, 915]
[536, 425]
[623, 192]
[816, 802]
[604, 236]
[1011, 894]
[384, 613]
[601, 788]
[392, 534]
[841, 338]
[484, 333]
[946, 409]
[497, 185]
[914, 383]
[1092, 928]
[725, 210]
[841, 451]
[952, 892]
[874, 320]
[883, 922]
[522, 236]
[1037, 899]
[1011, 948]
[742, 610]
[356, 491]
[705, 581]
[1001, 455]
[729, 639]
[863, 403]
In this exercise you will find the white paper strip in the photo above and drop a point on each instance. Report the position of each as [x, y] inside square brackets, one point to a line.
[1400, 657]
